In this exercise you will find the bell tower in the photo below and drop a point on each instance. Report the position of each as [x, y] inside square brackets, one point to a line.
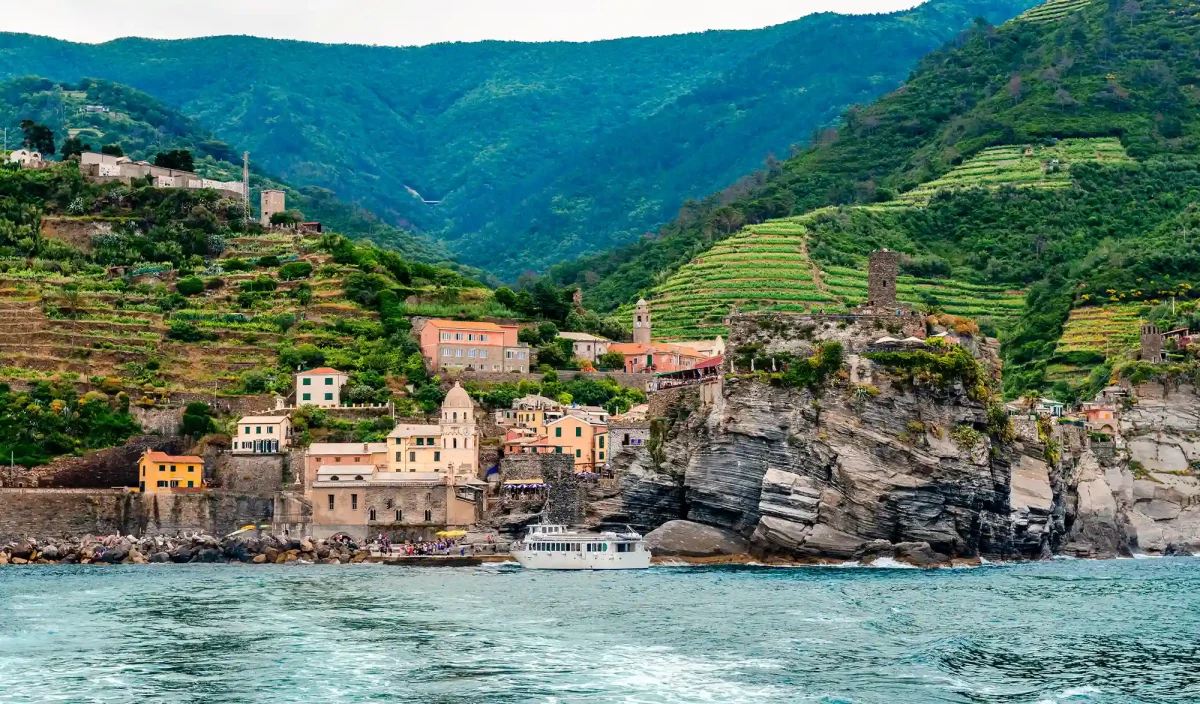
[641, 322]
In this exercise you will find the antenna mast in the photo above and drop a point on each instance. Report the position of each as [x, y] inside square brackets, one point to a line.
[246, 185]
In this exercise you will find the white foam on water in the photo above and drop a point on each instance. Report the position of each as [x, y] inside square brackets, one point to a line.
[1073, 694]
[1144, 556]
[890, 563]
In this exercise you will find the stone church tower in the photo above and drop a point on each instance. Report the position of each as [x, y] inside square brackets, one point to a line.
[641, 322]
[460, 436]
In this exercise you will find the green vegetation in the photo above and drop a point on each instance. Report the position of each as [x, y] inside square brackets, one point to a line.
[586, 392]
[937, 368]
[143, 127]
[1109, 90]
[536, 152]
[51, 419]
[766, 267]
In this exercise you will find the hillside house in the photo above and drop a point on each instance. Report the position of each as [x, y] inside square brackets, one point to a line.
[160, 473]
[586, 346]
[105, 167]
[473, 346]
[262, 435]
[26, 158]
[320, 387]
[343, 454]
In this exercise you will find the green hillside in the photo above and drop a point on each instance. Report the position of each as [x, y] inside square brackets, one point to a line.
[536, 152]
[1109, 90]
[144, 126]
[767, 267]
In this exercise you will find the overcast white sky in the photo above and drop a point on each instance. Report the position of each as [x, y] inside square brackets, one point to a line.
[408, 22]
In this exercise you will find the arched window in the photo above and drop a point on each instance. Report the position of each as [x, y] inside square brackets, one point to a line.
[358, 478]
[455, 441]
[372, 518]
[456, 415]
[334, 478]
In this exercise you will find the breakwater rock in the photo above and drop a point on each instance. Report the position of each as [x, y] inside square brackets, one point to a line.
[115, 549]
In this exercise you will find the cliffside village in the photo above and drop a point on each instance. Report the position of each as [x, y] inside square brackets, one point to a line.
[469, 467]
[427, 478]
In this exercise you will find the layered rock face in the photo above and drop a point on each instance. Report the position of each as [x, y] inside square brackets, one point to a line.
[1142, 497]
[862, 468]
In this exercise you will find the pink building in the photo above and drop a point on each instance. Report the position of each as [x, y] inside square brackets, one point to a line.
[657, 357]
[455, 344]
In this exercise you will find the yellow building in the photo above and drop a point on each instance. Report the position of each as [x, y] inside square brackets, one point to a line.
[583, 438]
[451, 446]
[159, 472]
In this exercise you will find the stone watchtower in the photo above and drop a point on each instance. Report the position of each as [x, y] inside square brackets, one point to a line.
[272, 202]
[641, 322]
[1152, 344]
[881, 279]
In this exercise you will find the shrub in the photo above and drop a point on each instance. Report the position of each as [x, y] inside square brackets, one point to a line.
[184, 331]
[235, 265]
[295, 270]
[268, 261]
[262, 284]
[190, 286]
[197, 420]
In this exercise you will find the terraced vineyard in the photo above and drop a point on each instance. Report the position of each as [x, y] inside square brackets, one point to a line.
[1098, 331]
[1020, 167]
[1053, 10]
[767, 267]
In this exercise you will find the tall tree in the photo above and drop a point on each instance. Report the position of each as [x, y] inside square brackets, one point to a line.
[39, 138]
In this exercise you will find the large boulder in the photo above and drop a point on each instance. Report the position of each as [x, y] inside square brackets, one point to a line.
[920, 555]
[691, 539]
[160, 557]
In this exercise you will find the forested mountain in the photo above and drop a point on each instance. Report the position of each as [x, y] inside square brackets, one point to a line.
[143, 126]
[941, 169]
[537, 152]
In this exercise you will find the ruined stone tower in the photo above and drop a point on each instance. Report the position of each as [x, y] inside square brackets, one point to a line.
[272, 202]
[1152, 344]
[641, 322]
[881, 279]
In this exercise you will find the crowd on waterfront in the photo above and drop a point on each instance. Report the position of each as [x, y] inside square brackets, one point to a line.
[445, 546]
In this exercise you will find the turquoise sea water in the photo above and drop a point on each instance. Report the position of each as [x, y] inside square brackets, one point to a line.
[1066, 631]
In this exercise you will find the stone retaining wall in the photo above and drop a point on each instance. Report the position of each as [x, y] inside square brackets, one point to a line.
[78, 512]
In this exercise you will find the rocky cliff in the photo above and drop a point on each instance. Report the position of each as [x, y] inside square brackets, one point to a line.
[870, 463]
[1140, 494]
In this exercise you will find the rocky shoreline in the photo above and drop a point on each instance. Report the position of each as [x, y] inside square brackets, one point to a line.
[266, 549]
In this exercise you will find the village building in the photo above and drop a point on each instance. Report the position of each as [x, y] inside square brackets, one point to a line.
[344, 454]
[644, 356]
[530, 411]
[271, 202]
[106, 167]
[423, 479]
[28, 159]
[262, 435]
[451, 447]
[641, 358]
[585, 345]
[1101, 418]
[321, 387]
[361, 503]
[628, 434]
[475, 346]
[160, 473]
[1151, 345]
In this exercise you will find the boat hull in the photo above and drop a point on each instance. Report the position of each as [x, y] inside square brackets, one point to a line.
[536, 560]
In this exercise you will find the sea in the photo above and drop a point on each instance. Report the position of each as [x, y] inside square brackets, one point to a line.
[1063, 631]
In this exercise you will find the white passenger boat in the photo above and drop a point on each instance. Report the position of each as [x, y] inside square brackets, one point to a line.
[555, 547]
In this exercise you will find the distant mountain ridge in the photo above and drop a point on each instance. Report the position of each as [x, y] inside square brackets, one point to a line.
[536, 152]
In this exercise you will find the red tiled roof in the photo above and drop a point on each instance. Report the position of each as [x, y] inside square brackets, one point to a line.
[155, 456]
[714, 362]
[468, 325]
[320, 370]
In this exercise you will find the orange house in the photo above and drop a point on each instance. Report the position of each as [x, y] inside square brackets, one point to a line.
[457, 344]
[656, 357]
